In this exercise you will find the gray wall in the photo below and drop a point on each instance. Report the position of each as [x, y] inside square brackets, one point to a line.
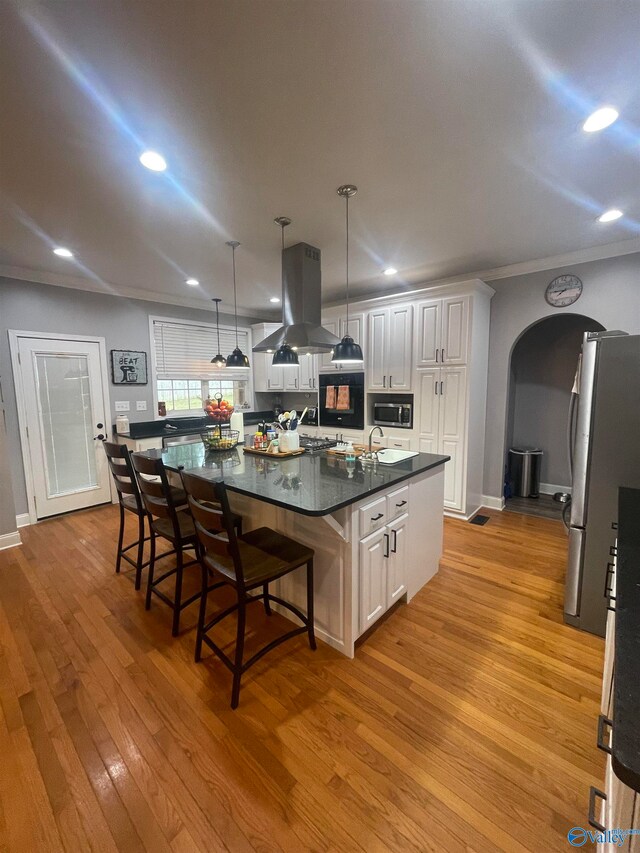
[543, 367]
[611, 296]
[124, 323]
[7, 511]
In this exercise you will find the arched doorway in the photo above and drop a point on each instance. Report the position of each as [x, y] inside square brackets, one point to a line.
[541, 374]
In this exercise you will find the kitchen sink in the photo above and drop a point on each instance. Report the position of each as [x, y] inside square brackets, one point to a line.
[388, 456]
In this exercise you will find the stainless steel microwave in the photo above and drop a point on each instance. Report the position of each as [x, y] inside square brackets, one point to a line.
[393, 415]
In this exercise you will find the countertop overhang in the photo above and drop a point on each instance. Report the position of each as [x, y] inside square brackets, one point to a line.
[313, 484]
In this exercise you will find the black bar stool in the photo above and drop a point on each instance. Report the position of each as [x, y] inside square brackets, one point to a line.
[130, 500]
[169, 518]
[247, 562]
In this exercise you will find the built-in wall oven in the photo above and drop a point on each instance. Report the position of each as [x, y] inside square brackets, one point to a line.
[393, 415]
[342, 400]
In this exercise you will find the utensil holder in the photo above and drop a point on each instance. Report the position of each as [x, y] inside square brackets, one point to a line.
[289, 440]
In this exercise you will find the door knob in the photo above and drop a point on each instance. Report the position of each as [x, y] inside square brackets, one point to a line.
[99, 426]
[99, 437]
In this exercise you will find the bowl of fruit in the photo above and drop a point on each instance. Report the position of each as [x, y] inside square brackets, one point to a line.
[216, 439]
[217, 409]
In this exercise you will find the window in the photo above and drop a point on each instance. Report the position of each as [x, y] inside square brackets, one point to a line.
[184, 374]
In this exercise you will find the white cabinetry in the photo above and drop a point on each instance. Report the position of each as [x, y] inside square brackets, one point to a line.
[383, 556]
[388, 351]
[266, 377]
[334, 321]
[442, 422]
[442, 331]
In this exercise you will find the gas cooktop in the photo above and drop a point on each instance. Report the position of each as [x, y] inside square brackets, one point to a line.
[314, 445]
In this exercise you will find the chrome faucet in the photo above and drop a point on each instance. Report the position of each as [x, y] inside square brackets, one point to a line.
[371, 431]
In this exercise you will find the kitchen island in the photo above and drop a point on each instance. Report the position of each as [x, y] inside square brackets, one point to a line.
[376, 529]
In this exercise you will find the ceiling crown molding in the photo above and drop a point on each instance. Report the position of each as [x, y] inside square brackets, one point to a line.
[107, 289]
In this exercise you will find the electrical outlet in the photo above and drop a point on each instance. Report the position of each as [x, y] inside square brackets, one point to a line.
[141, 405]
[122, 405]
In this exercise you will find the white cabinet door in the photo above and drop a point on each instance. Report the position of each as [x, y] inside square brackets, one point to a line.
[307, 372]
[396, 564]
[399, 341]
[429, 411]
[452, 387]
[373, 577]
[291, 377]
[275, 375]
[333, 326]
[428, 332]
[377, 346]
[356, 328]
[378, 441]
[455, 323]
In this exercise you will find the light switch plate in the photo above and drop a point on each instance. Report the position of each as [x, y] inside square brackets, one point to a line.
[122, 405]
[141, 405]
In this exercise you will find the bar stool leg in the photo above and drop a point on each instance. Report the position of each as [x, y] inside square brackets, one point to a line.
[120, 540]
[140, 551]
[178, 594]
[152, 565]
[237, 671]
[310, 616]
[267, 603]
[202, 612]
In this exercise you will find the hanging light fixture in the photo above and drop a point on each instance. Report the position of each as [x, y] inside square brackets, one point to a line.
[347, 351]
[237, 359]
[284, 356]
[219, 360]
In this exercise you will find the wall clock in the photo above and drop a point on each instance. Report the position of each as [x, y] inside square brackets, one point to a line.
[563, 290]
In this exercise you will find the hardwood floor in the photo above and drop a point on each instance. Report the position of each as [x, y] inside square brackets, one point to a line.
[466, 722]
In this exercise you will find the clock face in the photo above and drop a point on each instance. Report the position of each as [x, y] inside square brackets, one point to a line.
[563, 290]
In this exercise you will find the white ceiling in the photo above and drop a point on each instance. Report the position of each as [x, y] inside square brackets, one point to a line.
[458, 121]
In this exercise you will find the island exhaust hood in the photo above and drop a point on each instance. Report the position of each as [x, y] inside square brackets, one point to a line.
[301, 283]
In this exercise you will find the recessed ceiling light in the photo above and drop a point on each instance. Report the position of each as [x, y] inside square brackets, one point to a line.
[600, 119]
[390, 271]
[275, 299]
[192, 281]
[610, 215]
[61, 252]
[154, 161]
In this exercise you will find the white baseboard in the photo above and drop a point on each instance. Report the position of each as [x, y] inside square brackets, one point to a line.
[550, 489]
[10, 540]
[493, 503]
[23, 520]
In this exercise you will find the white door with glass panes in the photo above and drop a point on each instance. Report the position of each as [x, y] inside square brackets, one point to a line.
[65, 422]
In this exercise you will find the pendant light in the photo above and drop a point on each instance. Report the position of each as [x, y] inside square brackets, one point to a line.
[285, 356]
[237, 360]
[347, 351]
[219, 360]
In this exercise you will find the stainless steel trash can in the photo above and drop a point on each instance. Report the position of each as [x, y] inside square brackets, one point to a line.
[524, 471]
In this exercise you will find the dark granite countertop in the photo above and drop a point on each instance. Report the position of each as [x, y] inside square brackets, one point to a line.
[626, 698]
[183, 426]
[311, 484]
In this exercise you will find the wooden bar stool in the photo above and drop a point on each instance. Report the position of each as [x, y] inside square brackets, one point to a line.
[168, 518]
[247, 563]
[130, 500]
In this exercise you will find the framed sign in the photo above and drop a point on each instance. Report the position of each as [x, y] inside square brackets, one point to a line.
[128, 367]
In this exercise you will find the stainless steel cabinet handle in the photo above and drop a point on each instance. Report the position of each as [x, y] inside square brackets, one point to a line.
[435, 387]
[394, 547]
[593, 793]
[609, 576]
[437, 354]
[442, 355]
[602, 723]
[390, 381]
[441, 387]
[384, 381]
[386, 544]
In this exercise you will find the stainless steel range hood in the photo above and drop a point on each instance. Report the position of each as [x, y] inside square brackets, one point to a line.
[301, 283]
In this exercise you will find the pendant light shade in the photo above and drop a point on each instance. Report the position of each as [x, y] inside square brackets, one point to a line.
[218, 360]
[347, 351]
[237, 360]
[285, 357]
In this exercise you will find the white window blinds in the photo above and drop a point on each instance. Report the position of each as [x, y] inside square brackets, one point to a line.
[185, 350]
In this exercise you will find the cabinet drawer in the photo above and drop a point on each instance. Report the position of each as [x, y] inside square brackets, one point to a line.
[397, 502]
[373, 516]
[400, 442]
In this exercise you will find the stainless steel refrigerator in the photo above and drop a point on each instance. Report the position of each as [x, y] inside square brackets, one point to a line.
[605, 445]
